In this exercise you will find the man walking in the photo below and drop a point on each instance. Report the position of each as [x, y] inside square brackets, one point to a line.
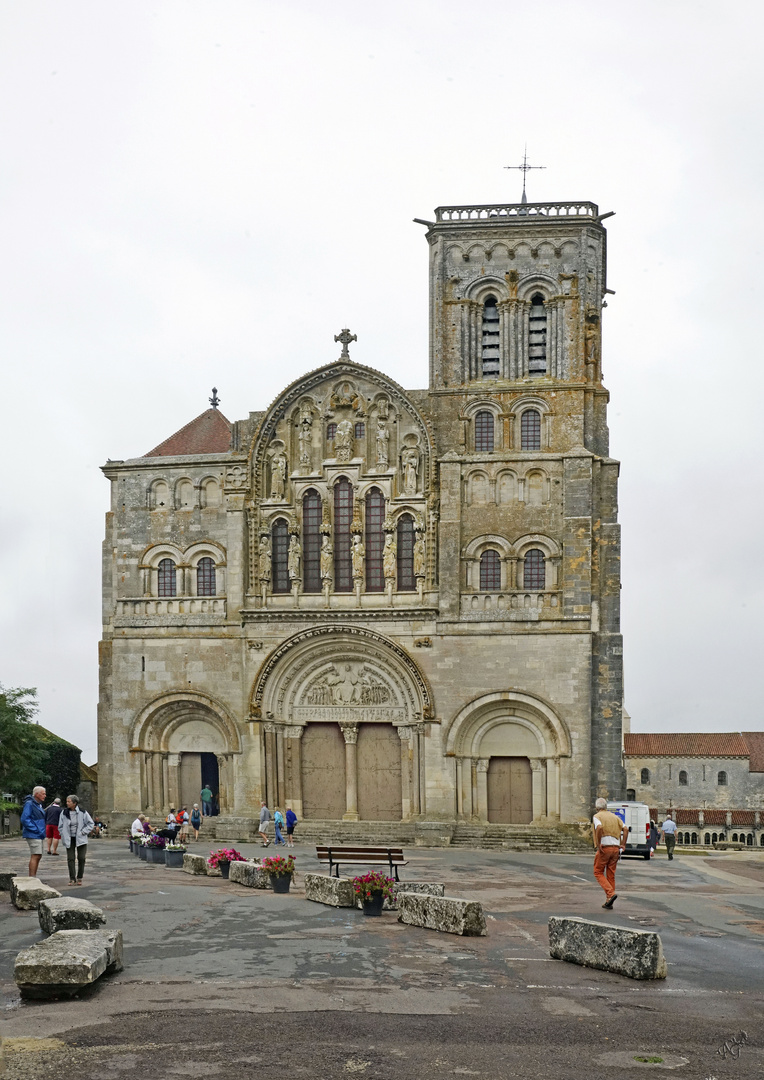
[33, 827]
[265, 817]
[668, 828]
[52, 835]
[609, 834]
[206, 797]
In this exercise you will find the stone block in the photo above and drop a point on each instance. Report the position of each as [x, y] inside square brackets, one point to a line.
[423, 888]
[434, 833]
[196, 864]
[67, 961]
[27, 892]
[637, 954]
[250, 874]
[69, 913]
[323, 889]
[6, 877]
[444, 913]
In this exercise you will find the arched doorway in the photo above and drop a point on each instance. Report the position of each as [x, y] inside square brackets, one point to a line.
[510, 791]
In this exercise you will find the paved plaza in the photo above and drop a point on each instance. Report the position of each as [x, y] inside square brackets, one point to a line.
[221, 980]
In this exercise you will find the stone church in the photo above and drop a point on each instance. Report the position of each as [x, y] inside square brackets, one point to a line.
[379, 604]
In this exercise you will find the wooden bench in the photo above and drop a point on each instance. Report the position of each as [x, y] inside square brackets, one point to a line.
[393, 857]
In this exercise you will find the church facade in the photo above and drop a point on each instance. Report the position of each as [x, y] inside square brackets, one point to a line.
[380, 604]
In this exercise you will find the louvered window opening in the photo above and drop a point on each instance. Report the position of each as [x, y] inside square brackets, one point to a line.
[537, 336]
[405, 557]
[534, 570]
[484, 431]
[375, 540]
[205, 577]
[490, 571]
[311, 542]
[490, 339]
[343, 517]
[166, 578]
[279, 555]
[530, 430]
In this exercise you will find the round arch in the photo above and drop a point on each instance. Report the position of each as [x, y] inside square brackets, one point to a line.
[154, 726]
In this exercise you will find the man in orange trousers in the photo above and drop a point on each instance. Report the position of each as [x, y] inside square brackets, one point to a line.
[609, 834]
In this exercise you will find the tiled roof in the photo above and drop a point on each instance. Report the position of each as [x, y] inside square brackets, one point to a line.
[685, 816]
[715, 817]
[743, 817]
[754, 740]
[690, 744]
[88, 773]
[209, 433]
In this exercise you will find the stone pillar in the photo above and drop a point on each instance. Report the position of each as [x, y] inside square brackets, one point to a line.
[350, 731]
[293, 734]
[225, 786]
[538, 770]
[415, 792]
[473, 790]
[280, 767]
[404, 734]
[173, 775]
[459, 790]
[481, 766]
[147, 782]
[553, 787]
[271, 790]
[164, 794]
[421, 776]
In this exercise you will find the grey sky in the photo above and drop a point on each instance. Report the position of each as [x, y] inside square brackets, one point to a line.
[199, 194]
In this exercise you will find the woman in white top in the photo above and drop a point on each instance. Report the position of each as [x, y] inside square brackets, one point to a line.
[74, 826]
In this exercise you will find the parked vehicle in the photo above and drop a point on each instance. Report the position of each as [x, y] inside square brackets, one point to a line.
[636, 816]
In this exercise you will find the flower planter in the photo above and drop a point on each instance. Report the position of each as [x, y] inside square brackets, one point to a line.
[281, 882]
[155, 855]
[373, 906]
[225, 869]
[174, 858]
[142, 852]
[137, 848]
[130, 844]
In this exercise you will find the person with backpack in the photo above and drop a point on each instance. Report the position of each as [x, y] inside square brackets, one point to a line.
[75, 825]
[291, 821]
[183, 823]
[196, 820]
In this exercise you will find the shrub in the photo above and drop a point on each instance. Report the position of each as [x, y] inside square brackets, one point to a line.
[278, 865]
[224, 855]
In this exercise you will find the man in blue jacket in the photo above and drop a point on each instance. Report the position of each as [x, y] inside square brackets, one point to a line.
[33, 827]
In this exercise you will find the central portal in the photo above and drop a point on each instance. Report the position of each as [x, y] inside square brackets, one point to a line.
[510, 791]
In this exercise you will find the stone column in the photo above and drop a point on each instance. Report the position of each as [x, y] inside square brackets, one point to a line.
[404, 734]
[473, 790]
[459, 791]
[538, 770]
[280, 767]
[173, 775]
[415, 790]
[225, 785]
[271, 790]
[350, 732]
[293, 795]
[164, 794]
[147, 781]
[553, 787]
[421, 776]
[482, 788]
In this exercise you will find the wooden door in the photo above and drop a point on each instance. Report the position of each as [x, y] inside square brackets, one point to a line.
[510, 791]
[379, 773]
[190, 780]
[323, 773]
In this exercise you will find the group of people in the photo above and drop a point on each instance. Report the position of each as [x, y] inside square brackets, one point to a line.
[69, 824]
[279, 823]
[610, 835]
[175, 827]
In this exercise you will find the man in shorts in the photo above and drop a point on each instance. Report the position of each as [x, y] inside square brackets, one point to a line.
[52, 835]
[265, 817]
[33, 827]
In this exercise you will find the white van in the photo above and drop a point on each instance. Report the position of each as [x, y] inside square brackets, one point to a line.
[636, 815]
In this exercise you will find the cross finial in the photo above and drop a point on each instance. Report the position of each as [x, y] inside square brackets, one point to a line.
[345, 337]
[524, 168]
[214, 400]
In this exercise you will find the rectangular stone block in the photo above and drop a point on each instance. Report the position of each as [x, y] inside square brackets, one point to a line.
[27, 892]
[423, 888]
[195, 864]
[250, 874]
[323, 889]
[69, 913]
[447, 914]
[637, 954]
[6, 877]
[67, 961]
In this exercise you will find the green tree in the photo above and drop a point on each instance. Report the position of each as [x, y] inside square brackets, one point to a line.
[19, 748]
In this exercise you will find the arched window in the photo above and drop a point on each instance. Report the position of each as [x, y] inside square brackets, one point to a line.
[166, 578]
[530, 430]
[761, 840]
[343, 518]
[734, 838]
[534, 570]
[490, 571]
[160, 495]
[331, 431]
[311, 541]
[682, 778]
[749, 840]
[644, 776]
[205, 577]
[707, 838]
[279, 554]
[721, 779]
[714, 838]
[490, 351]
[375, 540]
[694, 838]
[359, 430]
[537, 336]
[484, 431]
[631, 795]
[405, 556]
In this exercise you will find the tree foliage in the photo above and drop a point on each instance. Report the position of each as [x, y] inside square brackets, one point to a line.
[30, 754]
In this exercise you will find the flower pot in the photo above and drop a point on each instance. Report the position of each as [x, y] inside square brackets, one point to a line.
[174, 858]
[142, 852]
[130, 844]
[137, 850]
[281, 882]
[373, 906]
[155, 855]
[224, 868]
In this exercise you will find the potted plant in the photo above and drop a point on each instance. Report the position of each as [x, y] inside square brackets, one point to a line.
[155, 849]
[173, 855]
[141, 853]
[222, 859]
[281, 871]
[372, 890]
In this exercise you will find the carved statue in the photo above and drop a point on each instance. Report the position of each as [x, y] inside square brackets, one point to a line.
[327, 559]
[419, 555]
[343, 441]
[389, 558]
[358, 554]
[410, 462]
[278, 475]
[383, 438]
[306, 443]
[264, 559]
[293, 559]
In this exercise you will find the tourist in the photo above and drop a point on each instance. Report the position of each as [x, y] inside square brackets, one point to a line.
[171, 825]
[291, 821]
[610, 835]
[278, 824]
[147, 829]
[668, 828]
[52, 835]
[196, 820]
[183, 822]
[206, 797]
[75, 825]
[136, 829]
[33, 827]
[265, 817]
[654, 837]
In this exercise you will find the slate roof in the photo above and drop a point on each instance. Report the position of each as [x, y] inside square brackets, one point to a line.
[209, 433]
[754, 740]
[690, 744]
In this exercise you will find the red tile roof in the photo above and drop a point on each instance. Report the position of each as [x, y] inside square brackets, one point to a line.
[691, 744]
[743, 817]
[209, 433]
[754, 740]
[715, 817]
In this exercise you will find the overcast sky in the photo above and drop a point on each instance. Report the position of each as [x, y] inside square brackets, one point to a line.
[204, 193]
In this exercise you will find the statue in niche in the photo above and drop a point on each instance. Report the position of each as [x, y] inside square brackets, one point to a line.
[383, 439]
[343, 441]
[327, 559]
[305, 439]
[410, 462]
[389, 558]
[345, 395]
[278, 475]
[264, 559]
[358, 555]
[420, 550]
[293, 559]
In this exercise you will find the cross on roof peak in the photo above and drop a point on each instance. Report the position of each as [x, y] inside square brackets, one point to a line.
[345, 337]
[214, 400]
[524, 169]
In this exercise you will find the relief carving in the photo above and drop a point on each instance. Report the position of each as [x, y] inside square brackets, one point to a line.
[343, 441]
[353, 685]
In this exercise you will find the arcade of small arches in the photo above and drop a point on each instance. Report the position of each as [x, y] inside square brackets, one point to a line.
[524, 426]
[531, 564]
[184, 494]
[166, 571]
